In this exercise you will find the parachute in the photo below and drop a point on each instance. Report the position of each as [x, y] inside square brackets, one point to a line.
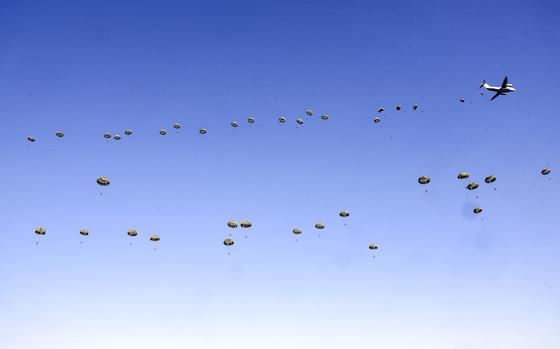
[380, 110]
[202, 131]
[297, 231]
[414, 107]
[40, 231]
[472, 186]
[117, 137]
[232, 224]
[325, 116]
[398, 107]
[282, 119]
[84, 232]
[377, 120]
[477, 210]
[319, 226]
[107, 135]
[154, 238]
[462, 100]
[490, 179]
[246, 224]
[128, 132]
[234, 124]
[545, 171]
[59, 134]
[229, 242]
[299, 121]
[251, 120]
[31, 139]
[103, 181]
[309, 112]
[463, 175]
[344, 213]
[132, 232]
[424, 180]
[176, 125]
[373, 247]
[162, 132]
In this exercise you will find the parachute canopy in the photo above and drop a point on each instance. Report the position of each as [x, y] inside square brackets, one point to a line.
[234, 124]
[202, 131]
[84, 232]
[60, 134]
[154, 238]
[462, 100]
[229, 242]
[232, 224]
[176, 125]
[103, 181]
[398, 107]
[117, 137]
[373, 247]
[319, 226]
[31, 139]
[107, 135]
[128, 132]
[424, 180]
[297, 231]
[380, 110]
[299, 121]
[40, 231]
[344, 213]
[246, 224]
[414, 107]
[472, 186]
[545, 171]
[282, 119]
[325, 116]
[377, 120]
[490, 179]
[309, 112]
[132, 232]
[463, 175]
[250, 119]
[477, 210]
[162, 132]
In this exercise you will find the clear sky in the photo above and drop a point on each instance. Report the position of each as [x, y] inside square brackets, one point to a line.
[442, 278]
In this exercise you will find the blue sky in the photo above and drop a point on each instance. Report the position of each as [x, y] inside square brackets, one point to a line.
[442, 277]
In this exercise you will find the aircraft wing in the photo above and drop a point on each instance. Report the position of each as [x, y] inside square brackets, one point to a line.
[496, 95]
[504, 84]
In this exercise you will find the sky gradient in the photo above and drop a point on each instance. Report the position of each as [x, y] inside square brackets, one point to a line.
[442, 278]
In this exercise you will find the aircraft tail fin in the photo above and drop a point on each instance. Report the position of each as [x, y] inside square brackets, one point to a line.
[483, 84]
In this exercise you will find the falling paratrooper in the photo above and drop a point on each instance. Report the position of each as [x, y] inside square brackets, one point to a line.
[398, 107]
[377, 120]
[162, 132]
[373, 247]
[414, 106]
[380, 110]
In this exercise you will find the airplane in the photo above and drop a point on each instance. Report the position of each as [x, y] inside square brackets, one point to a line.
[505, 88]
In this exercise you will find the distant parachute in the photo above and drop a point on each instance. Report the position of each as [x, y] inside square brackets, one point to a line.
[117, 137]
[202, 131]
[398, 107]
[325, 116]
[246, 224]
[490, 179]
[380, 110]
[472, 186]
[462, 100]
[545, 171]
[424, 180]
[31, 139]
[344, 213]
[309, 112]
[477, 210]
[84, 232]
[176, 125]
[132, 232]
[234, 124]
[297, 231]
[229, 242]
[59, 134]
[40, 231]
[107, 135]
[154, 238]
[282, 119]
[463, 175]
[373, 247]
[103, 181]
[299, 121]
[250, 119]
[319, 226]
[232, 224]
[162, 132]
[414, 107]
[128, 132]
[377, 120]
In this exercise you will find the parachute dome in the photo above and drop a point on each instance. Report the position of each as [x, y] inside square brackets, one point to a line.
[84, 232]
[103, 181]
[477, 210]
[128, 132]
[319, 226]
[250, 119]
[246, 224]
[344, 214]
[107, 135]
[31, 139]
[232, 224]
[60, 134]
[229, 242]
[325, 116]
[40, 231]
[463, 175]
[297, 231]
[162, 132]
[472, 186]
[373, 247]
[282, 119]
[377, 120]
[202, 131]
[117, 137]
[132, 232]
[309, 112]
[154, 238]
[234, 124]
[299, 121]
[490, 179]
[176, 125]
[545, 171]
[424, 180]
